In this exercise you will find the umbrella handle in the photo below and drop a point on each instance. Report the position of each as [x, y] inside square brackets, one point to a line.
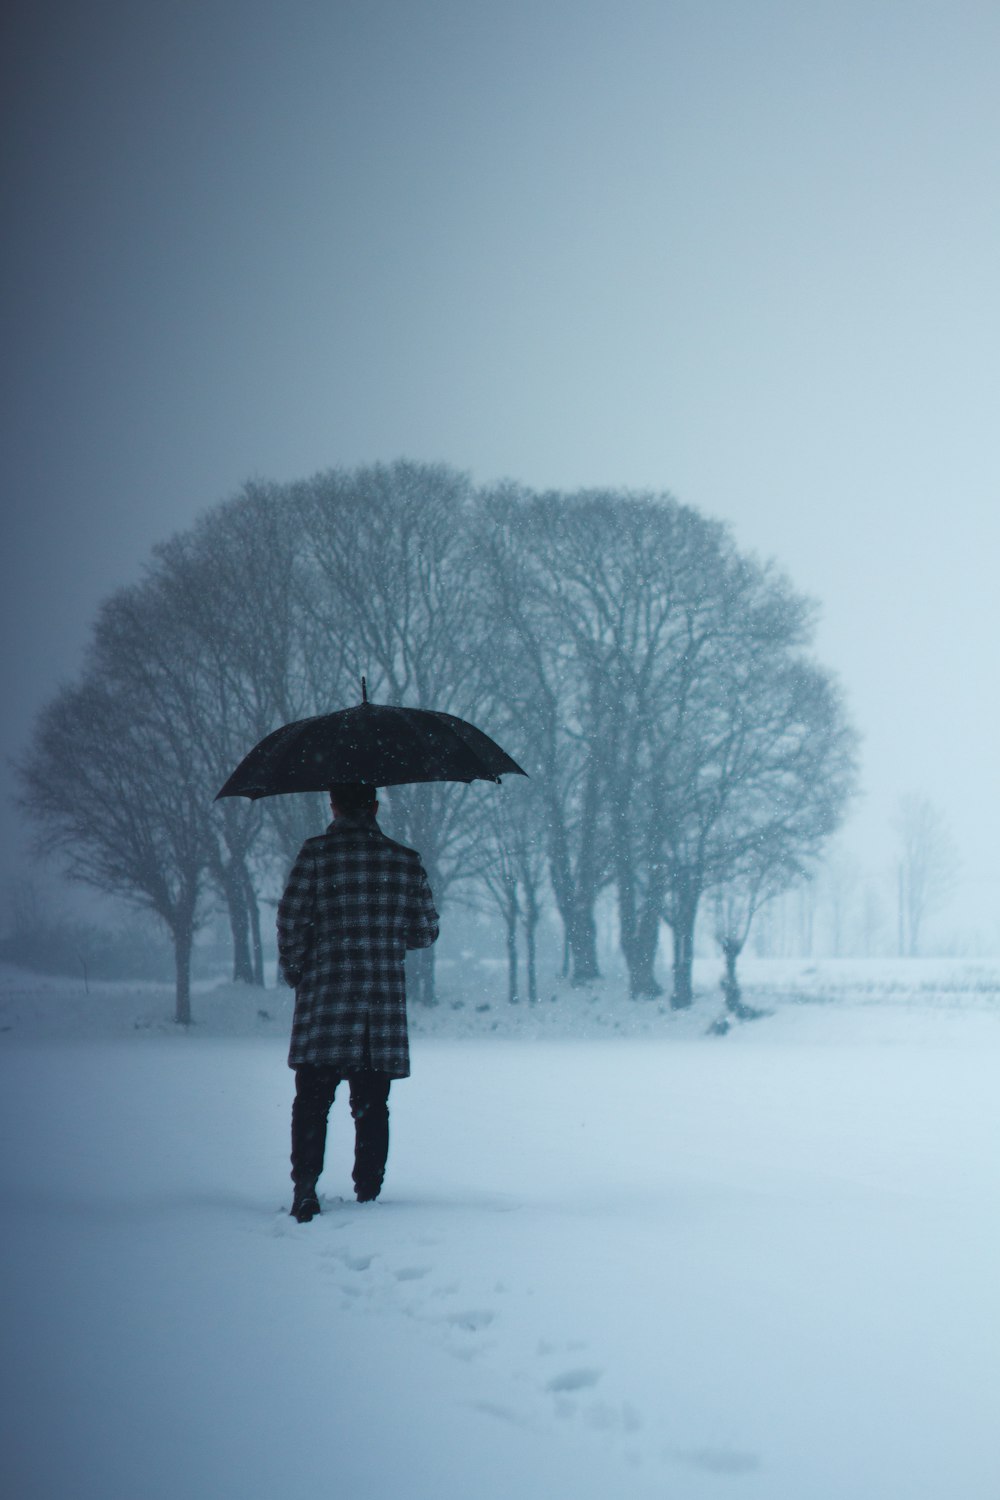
[364, 691]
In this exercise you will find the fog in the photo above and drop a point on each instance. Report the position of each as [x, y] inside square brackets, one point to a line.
[743, 254]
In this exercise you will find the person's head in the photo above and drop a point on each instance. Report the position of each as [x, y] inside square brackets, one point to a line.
[352, 799]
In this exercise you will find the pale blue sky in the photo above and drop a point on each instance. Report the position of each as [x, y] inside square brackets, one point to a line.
[743, 252]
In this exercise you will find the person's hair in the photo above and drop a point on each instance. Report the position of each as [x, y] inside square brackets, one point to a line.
[353, 797]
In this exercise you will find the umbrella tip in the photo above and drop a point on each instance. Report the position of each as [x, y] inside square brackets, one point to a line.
[364, 690]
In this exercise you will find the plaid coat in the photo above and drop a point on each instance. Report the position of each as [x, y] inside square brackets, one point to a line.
[354, 902]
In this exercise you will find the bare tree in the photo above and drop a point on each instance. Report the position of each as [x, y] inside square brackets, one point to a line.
[228, 595]
[511, 870]
[549, 580]
[765, 763]
[496, 875]
[396, 596]
[926, 869]
[664, 601]
[677, 724]
[149, 638]
[115, 794]
[734, 907]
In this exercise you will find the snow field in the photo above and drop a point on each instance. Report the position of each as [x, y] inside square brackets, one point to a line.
[761, 1266]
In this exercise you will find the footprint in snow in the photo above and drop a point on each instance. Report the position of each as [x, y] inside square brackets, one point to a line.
[352, 1262]
[502, 1412]
[718, 1460]
[411, 1273]
[472, 1320]
[579, 1379]
[446, 1289]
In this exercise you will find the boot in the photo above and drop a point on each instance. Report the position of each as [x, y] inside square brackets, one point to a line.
[305, 1204]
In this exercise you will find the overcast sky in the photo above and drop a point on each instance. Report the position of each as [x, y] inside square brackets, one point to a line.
[746, 253]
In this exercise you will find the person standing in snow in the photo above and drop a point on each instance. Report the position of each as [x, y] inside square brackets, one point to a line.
[354, 903]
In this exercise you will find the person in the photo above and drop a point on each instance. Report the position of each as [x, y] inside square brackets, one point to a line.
[354, 903]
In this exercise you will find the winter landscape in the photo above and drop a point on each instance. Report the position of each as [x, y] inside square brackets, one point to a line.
[618, 378]
[614, 1255]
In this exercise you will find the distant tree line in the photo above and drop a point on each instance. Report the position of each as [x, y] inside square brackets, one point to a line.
[655, 682]
[849, 908]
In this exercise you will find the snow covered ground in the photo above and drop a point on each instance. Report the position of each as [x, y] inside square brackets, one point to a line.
[615, 1257]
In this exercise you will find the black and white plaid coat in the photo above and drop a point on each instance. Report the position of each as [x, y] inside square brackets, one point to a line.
[354, 902]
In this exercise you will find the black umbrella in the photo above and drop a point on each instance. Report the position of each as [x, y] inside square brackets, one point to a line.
[373, 743]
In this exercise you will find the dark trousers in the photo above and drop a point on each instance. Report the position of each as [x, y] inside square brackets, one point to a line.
[315, 1088]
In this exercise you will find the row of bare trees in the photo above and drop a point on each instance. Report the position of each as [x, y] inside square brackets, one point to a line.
[655, 683]
[860, 908]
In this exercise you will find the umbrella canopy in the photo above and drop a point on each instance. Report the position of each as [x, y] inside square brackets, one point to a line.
[374, 743]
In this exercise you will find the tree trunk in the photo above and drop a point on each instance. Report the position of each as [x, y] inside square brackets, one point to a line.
[640, 901]
[582, 935]
[730, 983]
[183, 933]
[628, 924]
[642, 981]
[253, 907]
[682, 996]
[640, 953]
[682, 927]
[236, 886]
[420, 981]
[511, 925]
[575, 900]
[530, 931]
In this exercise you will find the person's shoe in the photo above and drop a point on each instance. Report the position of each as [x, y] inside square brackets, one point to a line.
[305, 1205]
[367, 1194]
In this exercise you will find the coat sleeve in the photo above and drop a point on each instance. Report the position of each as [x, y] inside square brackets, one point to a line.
[423, 929]
[296, 918]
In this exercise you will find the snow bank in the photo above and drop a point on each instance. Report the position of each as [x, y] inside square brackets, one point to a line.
[473, 1003]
